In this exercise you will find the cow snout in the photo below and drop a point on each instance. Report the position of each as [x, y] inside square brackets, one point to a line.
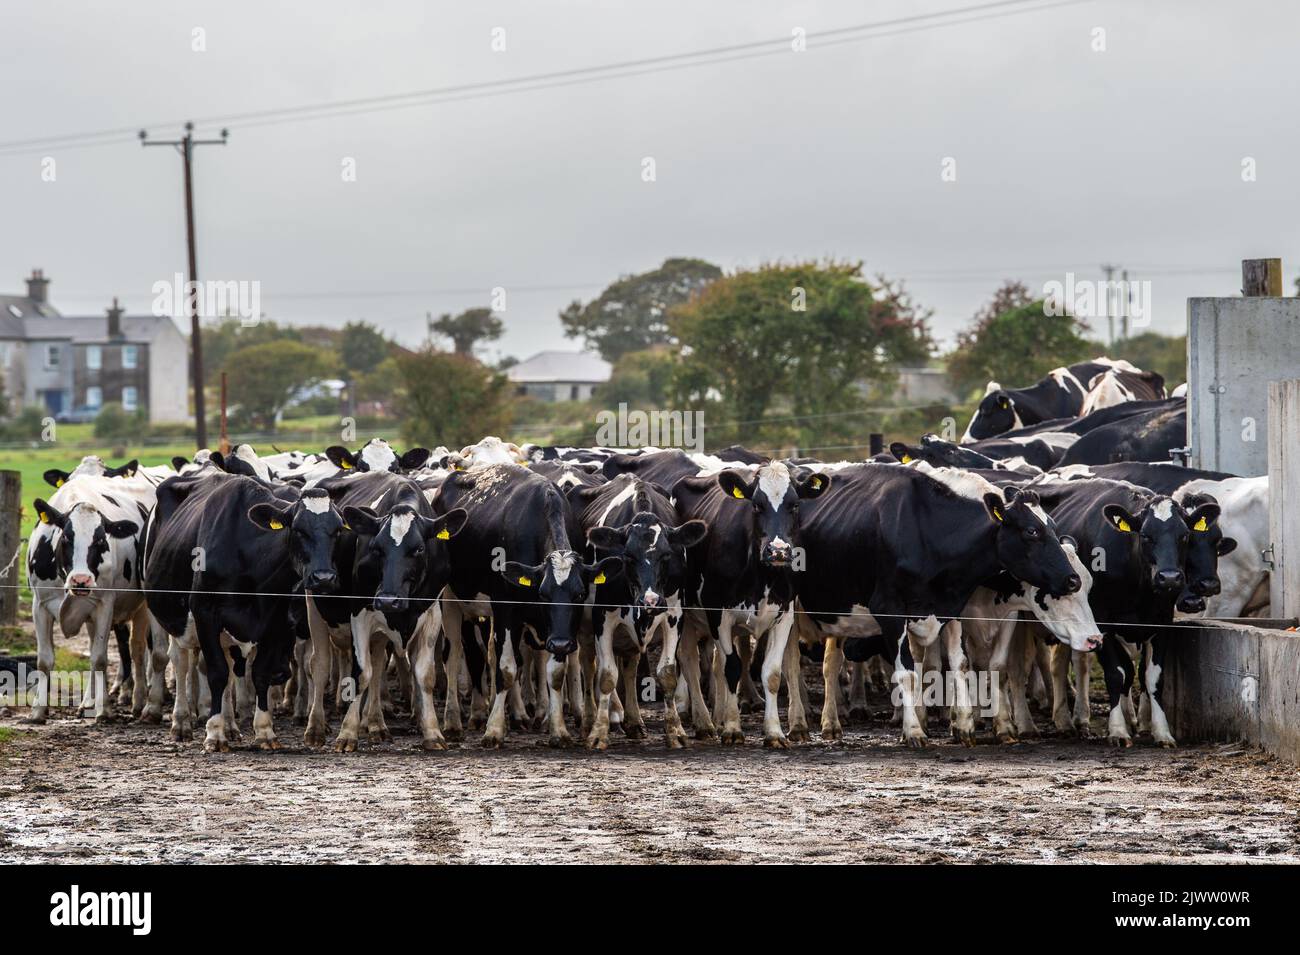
[390, 602]
[777, 554]
[651, 600]
[1206, 587]
[1167, 580]
[323, 581]
[561, 647]
[1072, 584]
[1090, 643]
[1190, 603]
[80, 584]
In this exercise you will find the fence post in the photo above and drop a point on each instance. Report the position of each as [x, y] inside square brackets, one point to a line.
[10, 536]
[1261, 277]
[1284, 496]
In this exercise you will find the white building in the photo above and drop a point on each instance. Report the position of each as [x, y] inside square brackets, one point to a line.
[559, 375]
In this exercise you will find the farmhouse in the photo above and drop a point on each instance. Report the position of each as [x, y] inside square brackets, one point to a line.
[559, 375]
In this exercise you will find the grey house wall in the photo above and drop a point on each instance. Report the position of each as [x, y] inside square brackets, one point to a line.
[40, 379]
[1235, 347]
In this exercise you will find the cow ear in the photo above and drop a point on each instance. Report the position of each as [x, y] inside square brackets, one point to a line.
[414, 458]
[179, 462]
[587, 494]
[995, 505]
[1068, 541]
[603, 570]
[688, 534]
[608, 538]
[812, 484]
[361, 520]
[341, 457]
[126, 470]
[733, 484]
[218, 459]
[1226, 546]
[446, 526]
[991, 387]
[269, 517]
[521, 575]
[49, 514]
[1203, 518]
[121, 528]
[1118, 518]
[901, 451]
[56, 478]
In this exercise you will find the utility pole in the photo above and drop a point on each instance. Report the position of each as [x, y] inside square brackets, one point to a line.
[1123, 281]
[1109, 271]
[185, 146]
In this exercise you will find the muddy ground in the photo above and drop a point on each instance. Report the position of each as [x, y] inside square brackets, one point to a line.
[71, 791]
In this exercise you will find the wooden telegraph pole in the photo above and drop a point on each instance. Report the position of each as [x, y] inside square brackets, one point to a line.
[185, 146]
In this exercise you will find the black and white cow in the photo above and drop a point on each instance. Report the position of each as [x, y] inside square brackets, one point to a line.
[1060, 394]
[940, 454]
[901, 551]
[1118, 386]
[742, 577]
[1136, 543]
[83, 567]
[234, 556]
[514, 562]
[633, 520]
[1148, 436]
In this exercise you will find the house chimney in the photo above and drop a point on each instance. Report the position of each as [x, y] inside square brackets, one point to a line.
[115, 320]
[36, 287]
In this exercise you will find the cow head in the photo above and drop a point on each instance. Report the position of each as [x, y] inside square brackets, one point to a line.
[312, 526]
[84, 550]
[995, 415]
[934, 451]
[773, 495]
[1205, 545]
[561, 583]
[1069, 616]
[406, 550]
[1161, 534]
[1027, 543]
[91, 466]
[377, 455]
[654, 556]
[489, 451]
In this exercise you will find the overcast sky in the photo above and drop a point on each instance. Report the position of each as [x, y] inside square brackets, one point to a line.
[1065, 157]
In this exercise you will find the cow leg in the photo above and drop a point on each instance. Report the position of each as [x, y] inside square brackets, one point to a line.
[540, 688]
[587, 675]
[208, 633]
[605, 677]
[182, 651]
[502, 654]
[961, 717]
[778, 635]
[556, 670]
[318, 666]
[633, 724]
[1117, 668]
[728, 671]
[576, 689]
[376, 726]
[235, 661]
[244, 691]
[477, 665]
[1000, 666]
[156, 683]
[1023, 652]
[363, 624]
[1155, 669]
[748, 694]
[1082, 677]
[452, 624]
[135, 682]
[858, 711]
[832, 663]
[43, 622]
[690, 659]
[424, 667]
[302, 654]
[1061, 655]
[259, 673]
[796, 713]
[97, 699]
[666, 673]
[909, 679]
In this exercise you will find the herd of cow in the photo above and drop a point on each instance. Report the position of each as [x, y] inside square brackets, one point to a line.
[529, 582]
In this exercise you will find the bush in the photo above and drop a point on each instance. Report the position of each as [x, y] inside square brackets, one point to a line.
[115, 423]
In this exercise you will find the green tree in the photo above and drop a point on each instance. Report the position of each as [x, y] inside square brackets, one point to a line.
[450, 399]
[632, 314]
[641, 379]
[115, 423]
[223, 337]
[1016, 347]
[811, 336]
[264, 378]
[1151, 351]
[361, 347]
[468, 328]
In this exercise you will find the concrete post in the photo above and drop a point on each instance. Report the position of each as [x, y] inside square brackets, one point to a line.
[1284, 496]
[11, 533]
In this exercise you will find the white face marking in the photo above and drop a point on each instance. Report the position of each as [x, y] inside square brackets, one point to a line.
[1038, 513]
[623, 495]
[1164, 510]
[317, 503]
[774, 481]
[398, 525]
[378, 455]
[656, 530]
[84, 521]
[561, 565]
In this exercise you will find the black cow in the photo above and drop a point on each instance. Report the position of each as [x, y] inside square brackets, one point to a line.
[743, 575]
[569, 475]
[514, 561]
[909, 546]
[1093, 420]
[633, 520]
[1060, 394]
[1135, 542]
[936, 452]
[1148, 436]
[377, 455]
[234, 556]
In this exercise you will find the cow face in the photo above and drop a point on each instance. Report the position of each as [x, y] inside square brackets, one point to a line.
[774, 495]
[406, 551]
[654, 556]
[91, 466]
[938, 453]
[561, 583]
[377, 455]
[491, 450]
[1205, 545]
[995, 415]
[1068, 617]
[83, 552]
[1161, 534]
[313, 526]
[1027, 543]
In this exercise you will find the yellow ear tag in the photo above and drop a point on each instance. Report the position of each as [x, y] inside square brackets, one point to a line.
[59, 483]
[817, 483]
[526, 581]
[735, 492]
[1123, 525]
[345, 466]
[45, 518]
[907, 459]
[600, 579]
[997, 513]
[276, 526]
[444, 535]
[1201, 525]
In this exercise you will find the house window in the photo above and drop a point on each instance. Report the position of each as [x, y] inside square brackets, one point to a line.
[94, 357]
[129, 398]
[94, 397]
[129, 356]
[51, 356]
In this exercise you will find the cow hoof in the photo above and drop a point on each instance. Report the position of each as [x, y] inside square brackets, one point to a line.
[313, 739]
[299, 719]
[232, 732]
[1167, 744]
[634, 732]
[733, 738]
[1121, 742]
[831, 733]
[675, 740]
[598, 743]
[1007, 738]
[181, 734]
[452, 732]
[270, 744]
[776, 742]
[149, 716]
[705, 732]
[33, 721]
[433, 744]
[798, 735]
[491, 742]
[557, 741]
[216, 746]
[345, 744]
[967, 737]
[1083, 730]
[920, 741]
[859, 714]
[380, 736]
[1029, 732]
[477, 722]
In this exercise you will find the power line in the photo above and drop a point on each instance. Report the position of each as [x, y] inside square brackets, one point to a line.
[459, 92]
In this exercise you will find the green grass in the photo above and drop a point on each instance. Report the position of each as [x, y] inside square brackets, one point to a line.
[7, 734]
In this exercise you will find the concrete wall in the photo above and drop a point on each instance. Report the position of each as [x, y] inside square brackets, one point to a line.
[1228, 682]
[1235, 347]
